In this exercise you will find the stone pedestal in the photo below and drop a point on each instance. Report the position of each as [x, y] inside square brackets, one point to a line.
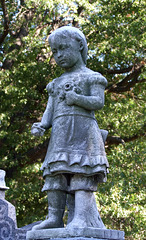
[75, 234]
[75, 238]
[8, 223]
[8, 229]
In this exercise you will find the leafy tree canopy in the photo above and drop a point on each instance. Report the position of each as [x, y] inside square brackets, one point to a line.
[115, 32]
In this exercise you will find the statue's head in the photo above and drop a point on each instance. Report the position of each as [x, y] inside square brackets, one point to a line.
[70, 33]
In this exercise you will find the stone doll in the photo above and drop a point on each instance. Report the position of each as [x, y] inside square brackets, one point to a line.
[75, 161]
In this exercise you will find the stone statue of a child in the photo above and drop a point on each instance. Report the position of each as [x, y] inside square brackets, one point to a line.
[75, 160]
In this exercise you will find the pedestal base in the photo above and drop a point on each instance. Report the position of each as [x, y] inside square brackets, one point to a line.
[75, 234]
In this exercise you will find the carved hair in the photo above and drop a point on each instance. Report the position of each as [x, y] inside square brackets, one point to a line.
[74, 33]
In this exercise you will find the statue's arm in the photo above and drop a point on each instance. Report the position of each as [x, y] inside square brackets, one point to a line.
[46, 121]
[92, 102]
[39, 128]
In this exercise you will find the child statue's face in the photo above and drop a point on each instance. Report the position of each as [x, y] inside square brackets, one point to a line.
[66, 51]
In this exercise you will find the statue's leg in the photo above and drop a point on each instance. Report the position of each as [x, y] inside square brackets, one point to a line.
[71, 206]
[85, 213]
[55, 187]
[94, 218]
[56, 202]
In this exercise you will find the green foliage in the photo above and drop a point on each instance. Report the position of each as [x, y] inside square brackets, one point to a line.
[122, 198]
[115, 32]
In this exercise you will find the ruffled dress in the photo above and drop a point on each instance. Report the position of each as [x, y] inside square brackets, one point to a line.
[76, 144]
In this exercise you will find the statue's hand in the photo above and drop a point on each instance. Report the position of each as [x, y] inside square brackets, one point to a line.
[37, 129]
[71, 98]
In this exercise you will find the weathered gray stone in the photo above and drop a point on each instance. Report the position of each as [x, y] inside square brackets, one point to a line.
[11, 209]
[30, 226]
[2, 180]
[3, 188]
[80, 238]
[75, 161]
[8, 223]
[8, 229]
[76, 233]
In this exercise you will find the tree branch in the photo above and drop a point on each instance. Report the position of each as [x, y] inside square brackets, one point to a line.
[128, 82]
[118, 140]
[114, 140]
[6, 22]
[119, 71]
